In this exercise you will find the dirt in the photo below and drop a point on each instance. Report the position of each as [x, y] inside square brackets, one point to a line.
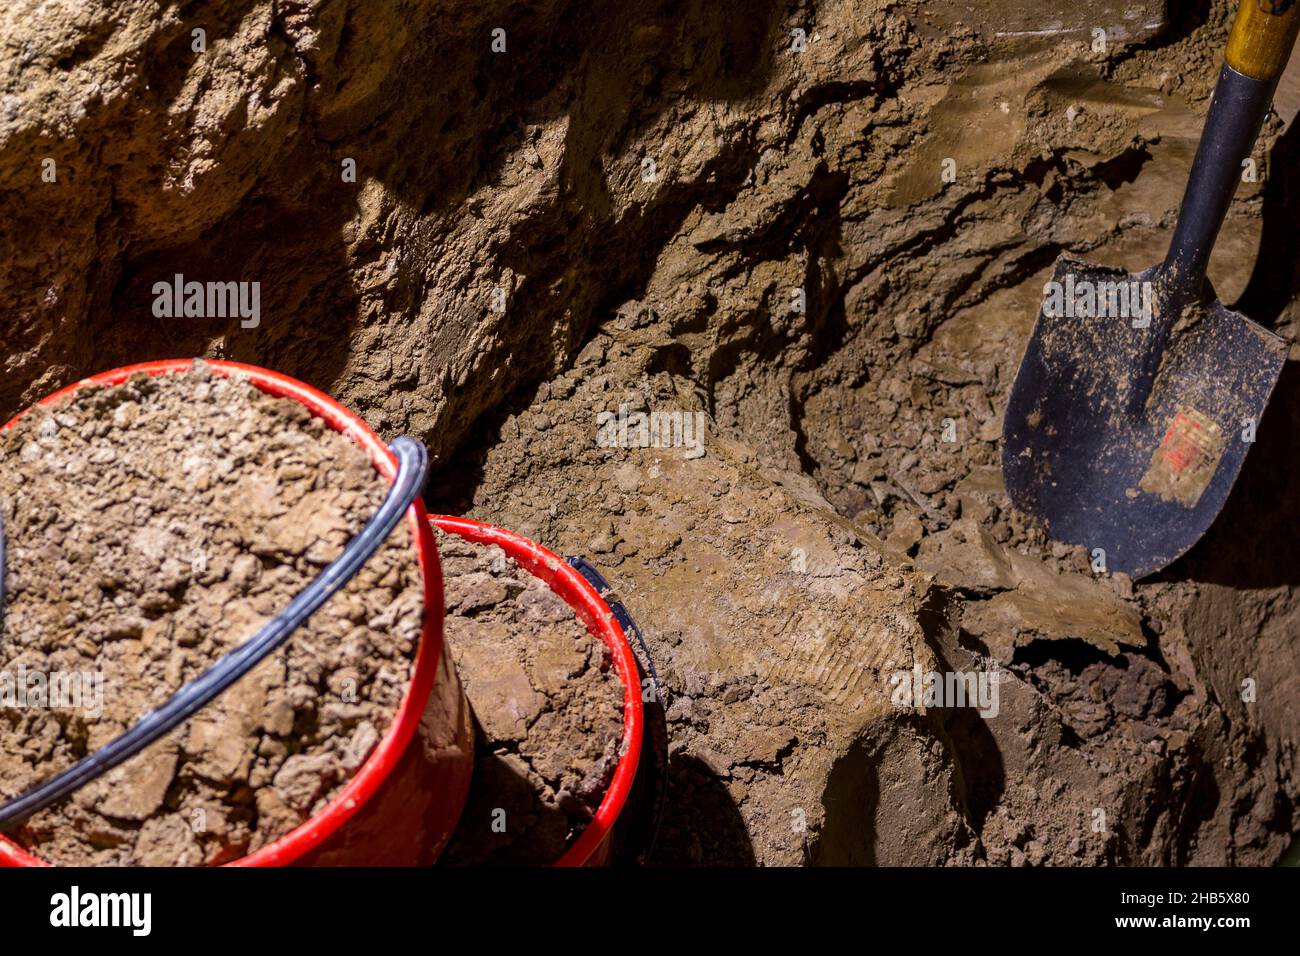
[548, 708]
[832, 532]
[152, 527]
[832, 250]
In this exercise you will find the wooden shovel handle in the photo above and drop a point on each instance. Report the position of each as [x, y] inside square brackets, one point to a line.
[1262, 37]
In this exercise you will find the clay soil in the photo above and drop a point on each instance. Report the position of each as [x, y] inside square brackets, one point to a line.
[151, 528]
[822, 225]
[548, 710]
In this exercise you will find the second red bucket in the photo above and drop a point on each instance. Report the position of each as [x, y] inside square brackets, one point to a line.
[594, 845]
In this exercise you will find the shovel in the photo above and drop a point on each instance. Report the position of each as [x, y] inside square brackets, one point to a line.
[1138, 394]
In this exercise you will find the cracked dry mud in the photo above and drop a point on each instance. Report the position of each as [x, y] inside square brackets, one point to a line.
[160, 523]
[829, 535]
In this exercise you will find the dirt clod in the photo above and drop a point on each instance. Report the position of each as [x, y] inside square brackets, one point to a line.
[833, 250]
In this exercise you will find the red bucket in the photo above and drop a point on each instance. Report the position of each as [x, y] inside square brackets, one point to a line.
[403, 804]
[594, 844]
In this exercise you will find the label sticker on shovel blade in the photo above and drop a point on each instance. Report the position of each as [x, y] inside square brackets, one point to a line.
[1186, 460]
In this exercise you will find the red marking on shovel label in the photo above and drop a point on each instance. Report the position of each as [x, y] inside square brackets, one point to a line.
[1185, 461]
[1187, 442]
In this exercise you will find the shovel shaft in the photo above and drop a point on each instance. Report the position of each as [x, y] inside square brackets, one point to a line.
[1258, 49]
[1238, 109]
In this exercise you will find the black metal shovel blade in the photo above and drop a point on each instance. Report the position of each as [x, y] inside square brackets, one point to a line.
[1118, 438]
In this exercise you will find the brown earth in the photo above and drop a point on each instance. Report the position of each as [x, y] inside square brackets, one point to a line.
[828, 243]
[547, 704]
[161, 523]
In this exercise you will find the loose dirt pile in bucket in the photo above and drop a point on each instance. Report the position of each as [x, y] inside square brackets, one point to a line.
[151, 528]
[834, 249]
[548, 704]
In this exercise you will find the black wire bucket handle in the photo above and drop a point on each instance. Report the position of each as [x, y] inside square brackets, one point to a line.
[412, 468]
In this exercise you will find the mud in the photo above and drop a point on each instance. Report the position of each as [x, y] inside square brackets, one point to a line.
[1113, 744]
[833, 251]
[151, 528]
[548, 710]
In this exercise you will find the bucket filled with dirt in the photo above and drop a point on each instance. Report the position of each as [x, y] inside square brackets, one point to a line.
[155, 517]
[556, 696]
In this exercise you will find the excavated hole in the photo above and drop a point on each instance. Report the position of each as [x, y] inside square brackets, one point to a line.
[774, 174]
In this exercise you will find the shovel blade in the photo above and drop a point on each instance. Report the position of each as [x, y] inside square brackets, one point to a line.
[1114, 443]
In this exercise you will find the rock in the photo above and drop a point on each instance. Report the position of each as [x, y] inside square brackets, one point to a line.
[167, 841]
[907, 531]
[1050, 606]
[774, 172]
[512, 703]
[301, 780]
[763, 747]
[135, 789]
[966, 556]
[364, 740]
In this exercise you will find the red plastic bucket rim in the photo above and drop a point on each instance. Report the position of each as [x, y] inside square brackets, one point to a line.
[382, 760]
[578, 593]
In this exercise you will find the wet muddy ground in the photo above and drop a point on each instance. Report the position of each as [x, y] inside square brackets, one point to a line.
[826, 228]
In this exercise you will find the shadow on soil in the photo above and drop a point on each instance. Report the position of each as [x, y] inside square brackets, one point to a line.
[702, 825]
